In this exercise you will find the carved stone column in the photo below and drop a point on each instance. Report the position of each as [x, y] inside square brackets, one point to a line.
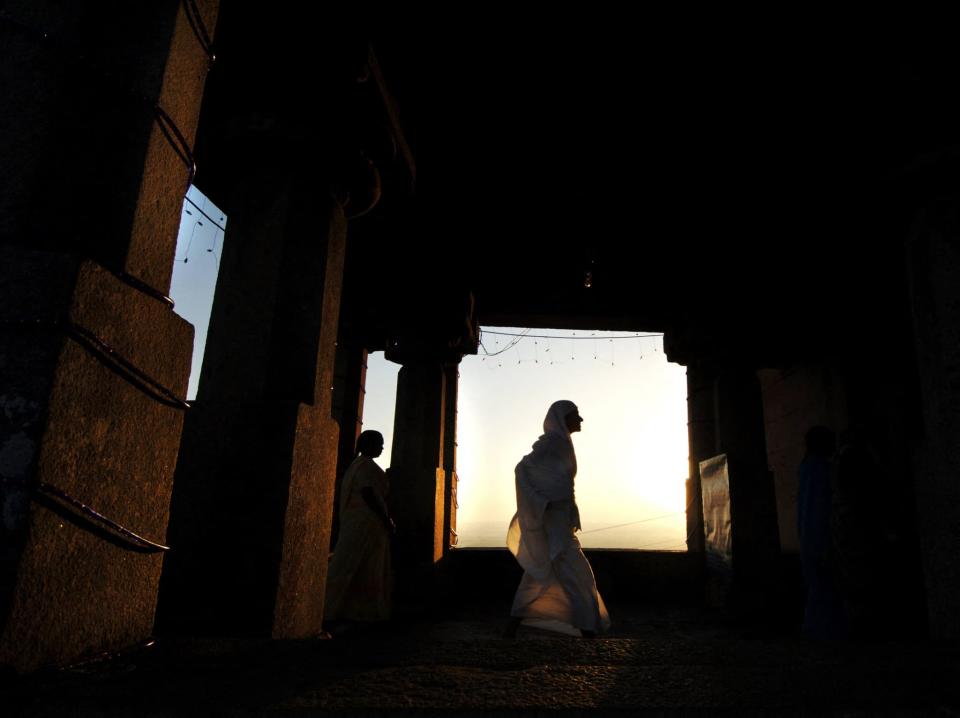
[349, 390]
[417, 476]
[753, 509]
[451, 393]
[701, 434]
[254, 491]
[96, 149]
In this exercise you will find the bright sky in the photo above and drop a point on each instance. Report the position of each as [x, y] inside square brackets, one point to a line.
[631, 454]
[195, 269]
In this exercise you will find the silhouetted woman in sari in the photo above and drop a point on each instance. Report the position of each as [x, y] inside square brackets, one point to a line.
[359, 580]
[558, 591]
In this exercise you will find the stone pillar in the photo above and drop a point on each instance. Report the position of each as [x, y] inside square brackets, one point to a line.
[254, 491]
[349, 391]
[451, 386]
[794, 400]
[933, 250]
[417, 474]
[740, 434]
[93, 361]
[703, 443]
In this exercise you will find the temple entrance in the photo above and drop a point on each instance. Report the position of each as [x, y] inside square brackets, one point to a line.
[632, 452]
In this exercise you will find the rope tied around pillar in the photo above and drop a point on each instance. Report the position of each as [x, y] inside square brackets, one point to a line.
[153, 388]
[110, 358]
[195, 19]
[91, 514]
[177, 141]
[142, 286]
[171, 131]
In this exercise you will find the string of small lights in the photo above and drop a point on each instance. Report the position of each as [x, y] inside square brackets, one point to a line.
[550, 359]
[200, 210]
[573, 336]
[509, 346]
[212, 249]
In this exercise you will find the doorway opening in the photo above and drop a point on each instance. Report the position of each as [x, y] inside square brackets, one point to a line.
[632, 453]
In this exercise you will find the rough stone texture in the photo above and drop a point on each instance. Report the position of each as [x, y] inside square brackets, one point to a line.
[934, 254]
[255, 481]
[158, 210]
[349, 390]
[82, 132]
[794, 400]
[90, 175]
[306, 539]
[103, 441]
[451, 393]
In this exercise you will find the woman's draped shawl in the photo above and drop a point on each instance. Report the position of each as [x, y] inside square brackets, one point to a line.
[545, 476]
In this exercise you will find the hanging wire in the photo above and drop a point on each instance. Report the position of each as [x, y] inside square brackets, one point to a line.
[633, 523]
[209, 218]
[510, 345]
[516, 337]
[193, 231]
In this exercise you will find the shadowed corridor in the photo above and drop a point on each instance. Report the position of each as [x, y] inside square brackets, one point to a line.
[658, 660]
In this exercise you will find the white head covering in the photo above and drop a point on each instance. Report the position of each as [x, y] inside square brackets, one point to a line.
[556, 421]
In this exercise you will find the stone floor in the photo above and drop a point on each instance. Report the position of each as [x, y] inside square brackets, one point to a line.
[658, 661]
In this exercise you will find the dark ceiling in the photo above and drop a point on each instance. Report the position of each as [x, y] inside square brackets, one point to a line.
[704, 169]
[692, 166]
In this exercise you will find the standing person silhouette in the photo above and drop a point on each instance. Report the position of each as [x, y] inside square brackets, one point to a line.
[823, 615]
[359, 579]
[558, 591]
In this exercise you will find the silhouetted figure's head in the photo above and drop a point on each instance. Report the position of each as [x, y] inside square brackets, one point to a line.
[820, 442]
[563, 417]
[370, 443]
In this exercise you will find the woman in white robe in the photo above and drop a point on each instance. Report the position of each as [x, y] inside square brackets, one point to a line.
[359, 576]
[558, 590]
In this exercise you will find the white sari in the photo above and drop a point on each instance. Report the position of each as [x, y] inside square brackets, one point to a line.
[558, 590]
